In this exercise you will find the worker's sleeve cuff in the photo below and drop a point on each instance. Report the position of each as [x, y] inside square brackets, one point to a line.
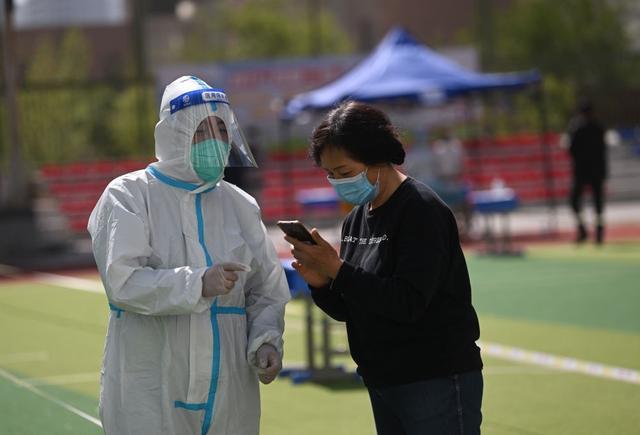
[271, 337]
[194, 282]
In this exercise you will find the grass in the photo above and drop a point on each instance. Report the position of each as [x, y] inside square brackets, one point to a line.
[582, 303]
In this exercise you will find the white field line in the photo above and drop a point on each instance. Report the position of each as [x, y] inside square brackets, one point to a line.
[66, 281]
[74, 378]
[71, 282]
[38, 392]
[562, 363]
[24, 357]
[518, 370]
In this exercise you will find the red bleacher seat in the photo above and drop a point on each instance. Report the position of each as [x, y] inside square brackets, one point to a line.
[521, 162]
[517, 160]
[77, 186]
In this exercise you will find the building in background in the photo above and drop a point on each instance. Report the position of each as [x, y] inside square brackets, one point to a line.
[104, 24]
[435, 22]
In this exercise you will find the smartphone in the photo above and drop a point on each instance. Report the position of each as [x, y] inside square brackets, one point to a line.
[297, 230]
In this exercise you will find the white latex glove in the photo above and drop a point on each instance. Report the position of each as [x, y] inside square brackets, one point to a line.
[269, 363]
[219, 279]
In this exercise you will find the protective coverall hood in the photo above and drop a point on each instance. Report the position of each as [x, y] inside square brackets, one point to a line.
[187, 103]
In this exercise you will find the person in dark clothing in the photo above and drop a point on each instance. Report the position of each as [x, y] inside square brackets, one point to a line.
[400, 281]
[589, 161]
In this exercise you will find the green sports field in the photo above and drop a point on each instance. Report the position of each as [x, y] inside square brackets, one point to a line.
[582, 304]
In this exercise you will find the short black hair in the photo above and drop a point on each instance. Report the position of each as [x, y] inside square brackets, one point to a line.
[363, 131]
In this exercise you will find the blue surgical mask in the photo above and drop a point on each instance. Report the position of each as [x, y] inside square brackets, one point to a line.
[356, 190]
[209, 158]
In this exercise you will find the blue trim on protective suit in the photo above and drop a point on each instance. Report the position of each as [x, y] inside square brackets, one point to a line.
[118, 311]
[231, 310]
[215, 367]
[170, 180]
[215, 370]
[189, 406]
[174, 182]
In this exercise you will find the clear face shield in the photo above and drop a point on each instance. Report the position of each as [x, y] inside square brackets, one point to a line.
[217, 140]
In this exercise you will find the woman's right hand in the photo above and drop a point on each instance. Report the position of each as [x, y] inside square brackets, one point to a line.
[313, 278]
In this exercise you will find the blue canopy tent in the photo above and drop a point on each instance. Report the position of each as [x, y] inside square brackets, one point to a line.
[402, 69]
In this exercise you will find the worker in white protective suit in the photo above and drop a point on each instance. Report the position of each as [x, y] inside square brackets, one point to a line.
[196, 291]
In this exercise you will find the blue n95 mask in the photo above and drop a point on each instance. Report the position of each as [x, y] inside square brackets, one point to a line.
[209, 158]
[356, 190]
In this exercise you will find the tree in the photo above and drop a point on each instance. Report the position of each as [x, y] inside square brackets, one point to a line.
[582, 41]
[580, 46]
[126, 120]
[65, 116]
[224, 31]
[56, 119]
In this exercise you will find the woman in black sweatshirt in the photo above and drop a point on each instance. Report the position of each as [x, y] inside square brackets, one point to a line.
[400, 282]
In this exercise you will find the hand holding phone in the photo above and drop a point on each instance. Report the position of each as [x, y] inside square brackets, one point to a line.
[315, 259]
[297, 230]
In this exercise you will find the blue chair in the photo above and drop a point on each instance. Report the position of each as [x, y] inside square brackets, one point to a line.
[501, 202]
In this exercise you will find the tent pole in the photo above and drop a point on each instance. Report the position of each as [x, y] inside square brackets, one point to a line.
[546, 158]
[17, 188]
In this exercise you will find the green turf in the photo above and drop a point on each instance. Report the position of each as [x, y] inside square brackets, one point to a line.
[68, 325]
[598, 291]
[599, 345]
[24, 412]
[542, 401]
[580, 303]
[314, 410]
